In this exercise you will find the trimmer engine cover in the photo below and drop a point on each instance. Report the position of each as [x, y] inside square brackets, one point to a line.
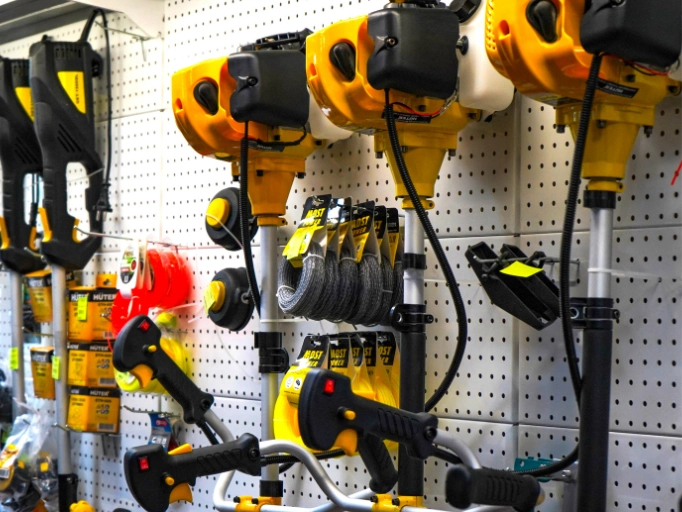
[415, 51]
[647, 32]
[261, 77]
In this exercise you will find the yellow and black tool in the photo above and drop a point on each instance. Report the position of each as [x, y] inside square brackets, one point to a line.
[543, 47]
[20, 157]
[331, 414]
[536, 44]
[156, 478]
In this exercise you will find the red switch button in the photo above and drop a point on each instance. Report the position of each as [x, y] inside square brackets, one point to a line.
[144, 463]
[329, 387]
[144, 326]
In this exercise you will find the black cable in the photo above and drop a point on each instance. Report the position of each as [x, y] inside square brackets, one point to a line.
[244, 218]
[279, 145]
[565, 257]
[210, 435]
[440, 256]
[103, 205]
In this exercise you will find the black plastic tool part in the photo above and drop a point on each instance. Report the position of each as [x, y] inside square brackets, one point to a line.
[219, 235]
[321, 416]
[647, 32]
[206, 94]
[150, 470]
[342, 56]
[415, 51]
[272, 358]
[68, 490]
[260, 76]
[540, 285]
[521, 298]
[238, 306]
[542, 16]
[465, 486]
[379, 464]
[132, 348]
[19, 156]
[66, 135]
[464, 9]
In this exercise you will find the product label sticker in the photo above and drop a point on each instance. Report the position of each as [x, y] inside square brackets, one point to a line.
[14, 358]
[617, 89]
[56, 363]
[82, 308]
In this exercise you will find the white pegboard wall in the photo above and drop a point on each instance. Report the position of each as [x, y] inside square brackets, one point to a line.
[507, 184]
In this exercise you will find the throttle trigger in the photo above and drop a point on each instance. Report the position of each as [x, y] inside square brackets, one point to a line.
[181, 492]
[143, 373]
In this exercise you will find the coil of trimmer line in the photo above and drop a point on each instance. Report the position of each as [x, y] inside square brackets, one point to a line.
[299, 289]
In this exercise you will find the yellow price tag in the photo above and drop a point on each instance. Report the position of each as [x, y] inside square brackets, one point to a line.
[518, 269]
[209, 299]
[14, 358]
[56, 363]
[82, 309]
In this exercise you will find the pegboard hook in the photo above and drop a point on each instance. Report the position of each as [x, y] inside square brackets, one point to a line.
[139, 37]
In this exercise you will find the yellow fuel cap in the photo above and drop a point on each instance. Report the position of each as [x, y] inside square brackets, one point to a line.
[214, 296]
[217, 212]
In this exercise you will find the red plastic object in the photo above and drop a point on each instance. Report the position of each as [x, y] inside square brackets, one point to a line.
[123, 309]
[180, 281]
[159, 267]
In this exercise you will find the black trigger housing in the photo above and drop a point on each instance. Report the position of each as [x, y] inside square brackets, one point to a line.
[20, 156]
[62, 86]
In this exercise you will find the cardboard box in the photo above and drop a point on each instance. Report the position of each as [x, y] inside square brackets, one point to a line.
[91, 365]
[94, 409]
[41, 368]
[39, 286]
[89, 310]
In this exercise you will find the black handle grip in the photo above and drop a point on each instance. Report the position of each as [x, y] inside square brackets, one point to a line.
[465, 486]
[139, 345]
[323, 413]
[19, 156]
[156, 478]
[65, 125]
[379, 464]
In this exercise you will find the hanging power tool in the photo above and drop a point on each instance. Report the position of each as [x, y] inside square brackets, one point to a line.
[63, 91]
[542, 46]
[331, 414]
[234, 109]
[20, 157]
[405, 55]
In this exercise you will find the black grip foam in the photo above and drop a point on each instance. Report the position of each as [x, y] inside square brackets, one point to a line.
[466, 486]
[379, 464]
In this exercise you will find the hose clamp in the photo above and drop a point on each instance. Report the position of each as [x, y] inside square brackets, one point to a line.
[410, 318]
[593, 313]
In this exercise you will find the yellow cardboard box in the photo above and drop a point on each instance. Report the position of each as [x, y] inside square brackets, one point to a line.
[89, 316]
[94, 409]
[91, 365]
[40, 292]
[41, 368]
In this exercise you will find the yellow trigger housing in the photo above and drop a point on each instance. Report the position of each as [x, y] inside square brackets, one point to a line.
[547, 63]
[211, 101]
[344, 64]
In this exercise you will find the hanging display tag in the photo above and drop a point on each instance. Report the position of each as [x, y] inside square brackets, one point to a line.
[333, 217]
[381, 230]
[395, 241]
[56, 366]
[339, 356]
[363, 230]
[314, 354]
[82, 308]
[132, 268]
[162, 431]
[14, 358]
[310, 229]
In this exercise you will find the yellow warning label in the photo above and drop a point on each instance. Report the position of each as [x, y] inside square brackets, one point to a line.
[26, 100]
[72, 82]
[518, 269]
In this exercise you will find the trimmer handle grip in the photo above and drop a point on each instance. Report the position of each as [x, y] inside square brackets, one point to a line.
[327, 407]
[156, 478]
[465, 486]
[62, 88]
[138, 350]
[379, 464]
[19, 157]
